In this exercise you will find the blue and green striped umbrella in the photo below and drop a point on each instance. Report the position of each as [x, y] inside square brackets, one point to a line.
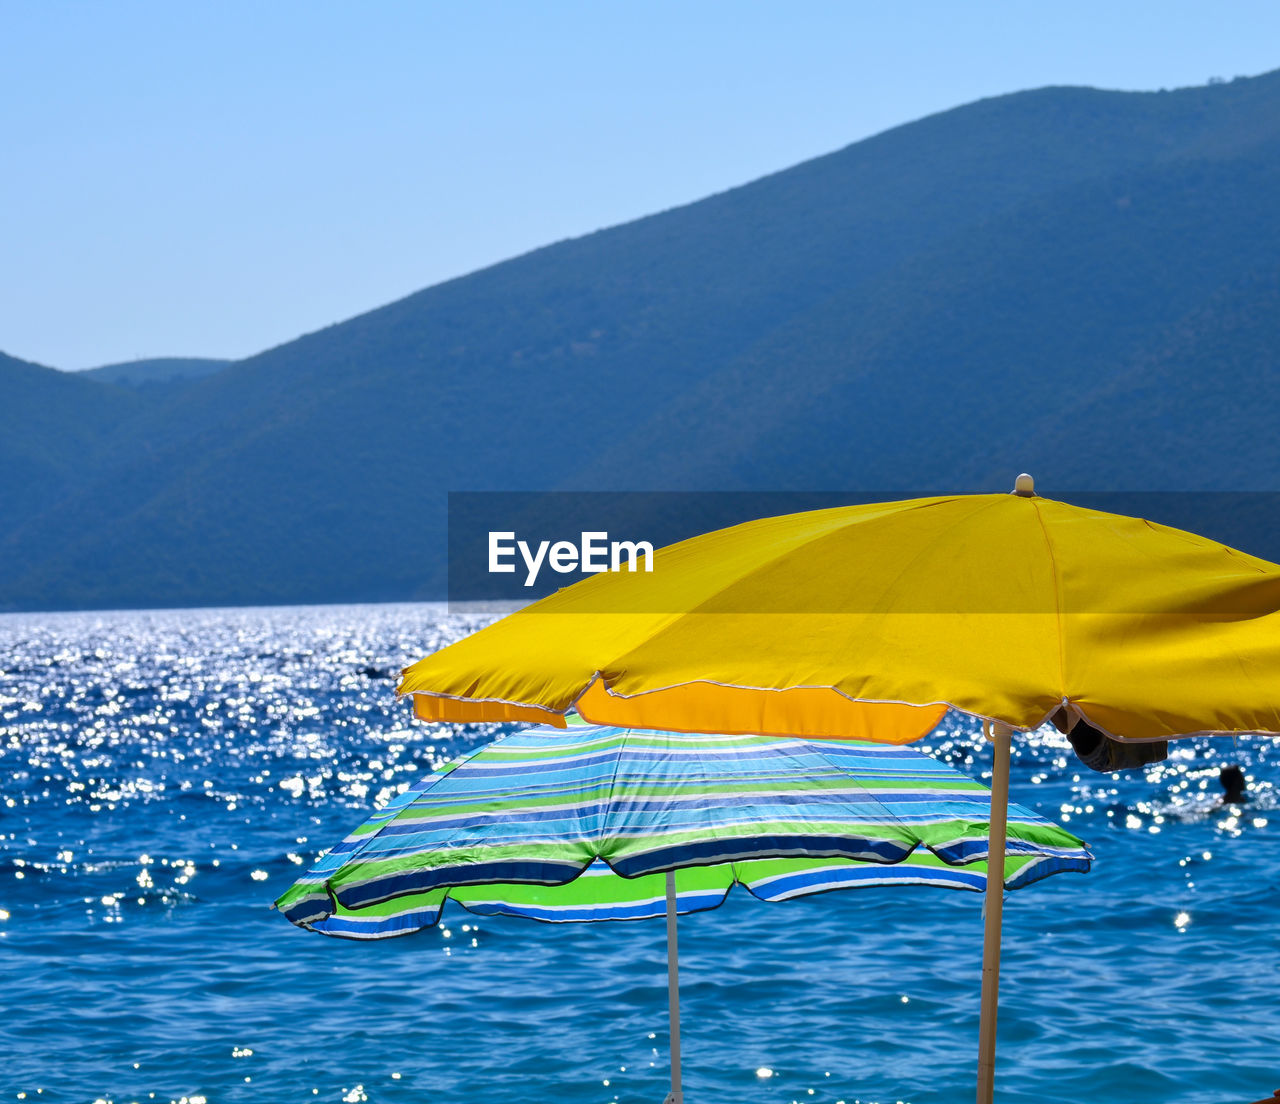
[510, 828]
[605, 823]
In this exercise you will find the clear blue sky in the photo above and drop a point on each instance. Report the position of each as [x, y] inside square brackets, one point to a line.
[210, 179]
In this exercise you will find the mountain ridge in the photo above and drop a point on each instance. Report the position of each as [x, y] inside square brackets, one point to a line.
[848, 323]
[153, 371]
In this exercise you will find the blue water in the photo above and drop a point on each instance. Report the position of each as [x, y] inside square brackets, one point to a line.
[168, 774]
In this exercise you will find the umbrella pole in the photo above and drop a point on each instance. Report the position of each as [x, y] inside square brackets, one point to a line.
[676, 1096]
[1000, 737]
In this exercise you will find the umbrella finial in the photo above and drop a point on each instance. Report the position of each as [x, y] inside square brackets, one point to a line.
[1024, 486]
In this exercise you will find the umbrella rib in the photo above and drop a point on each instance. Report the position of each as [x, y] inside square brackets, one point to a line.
[435, 778]
[888, 816]
[700, 606]
[1057, 597]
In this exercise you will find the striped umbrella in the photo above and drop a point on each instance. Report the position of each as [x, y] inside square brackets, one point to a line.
[610, 824]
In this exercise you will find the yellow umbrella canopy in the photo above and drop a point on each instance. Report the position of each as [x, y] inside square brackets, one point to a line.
[868, 621]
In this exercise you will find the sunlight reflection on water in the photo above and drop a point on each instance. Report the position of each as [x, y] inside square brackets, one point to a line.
[169, 773]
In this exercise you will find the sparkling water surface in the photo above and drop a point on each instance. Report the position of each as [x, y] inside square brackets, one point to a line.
[168, 774]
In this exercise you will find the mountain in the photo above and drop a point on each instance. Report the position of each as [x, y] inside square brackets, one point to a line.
[53, 427]
[1075, 282]
[155, 370]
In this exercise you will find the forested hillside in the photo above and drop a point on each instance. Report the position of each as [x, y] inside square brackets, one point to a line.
[1079, 283]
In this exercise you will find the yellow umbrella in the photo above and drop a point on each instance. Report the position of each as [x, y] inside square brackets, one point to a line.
[869, 621]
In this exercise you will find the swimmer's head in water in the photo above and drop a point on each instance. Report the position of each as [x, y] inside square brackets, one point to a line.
[1232, 780]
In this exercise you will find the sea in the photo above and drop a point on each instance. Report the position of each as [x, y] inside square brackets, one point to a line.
[166, 775]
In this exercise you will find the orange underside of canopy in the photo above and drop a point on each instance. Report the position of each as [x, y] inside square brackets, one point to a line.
[701, 707]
